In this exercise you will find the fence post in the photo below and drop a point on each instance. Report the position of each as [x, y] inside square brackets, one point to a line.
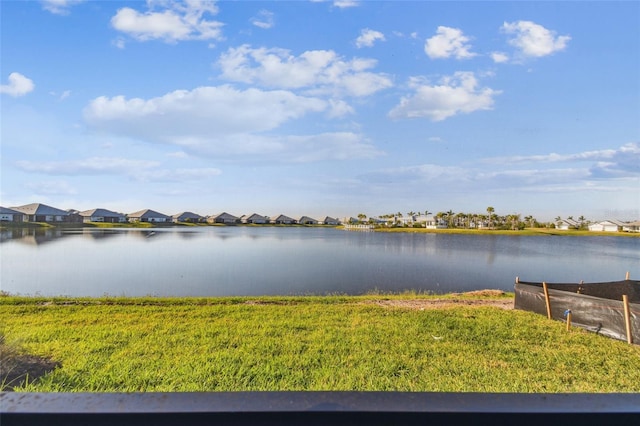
[546, 299]
[627, 318]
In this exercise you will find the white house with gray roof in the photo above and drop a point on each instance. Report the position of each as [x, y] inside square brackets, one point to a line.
[37, 212]
[187, 217]
[9, 215]
[254, 218]
[283, 220]
[148, 215]
[102, 215]
[224, 218]
[306, 220]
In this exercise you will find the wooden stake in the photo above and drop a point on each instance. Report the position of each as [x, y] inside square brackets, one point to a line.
[627, 276]
[517, 280]
[546, 299]
[627, 318]
[568, 319]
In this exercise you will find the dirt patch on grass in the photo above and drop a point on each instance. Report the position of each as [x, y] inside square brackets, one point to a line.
[17, 367]
[472, 298]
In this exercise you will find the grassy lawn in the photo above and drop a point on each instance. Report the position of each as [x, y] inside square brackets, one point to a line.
[309, 343]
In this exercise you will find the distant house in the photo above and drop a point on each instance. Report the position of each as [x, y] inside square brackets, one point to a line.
[350, 220]
[148, 215]
[283, 220]
[566, 224]
[102, 215]
[431, 222]
[328, 220]
[189, 217]
[37, 212]
[224, 217]
[9, 215]
[254, 218]
[306, 220]
[632, 226]
[607, 226]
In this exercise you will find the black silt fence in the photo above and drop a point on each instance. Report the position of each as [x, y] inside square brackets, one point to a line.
[597, 307]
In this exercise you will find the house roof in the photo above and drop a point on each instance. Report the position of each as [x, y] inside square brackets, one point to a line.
[40, 209]
[329, 219]
[100, 213]
[307, 218]
[283, 217]
[225, 215]
[187, 215]
[147, 213]
[254, 216]
[4, 210]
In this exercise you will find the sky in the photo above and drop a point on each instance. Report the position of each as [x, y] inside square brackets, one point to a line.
[322, 107]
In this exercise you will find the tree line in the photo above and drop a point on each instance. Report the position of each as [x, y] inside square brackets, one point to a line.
[463, 220]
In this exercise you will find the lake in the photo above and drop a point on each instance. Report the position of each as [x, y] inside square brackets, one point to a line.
[239, 261]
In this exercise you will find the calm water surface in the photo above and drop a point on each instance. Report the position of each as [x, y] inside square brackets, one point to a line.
[225, 261]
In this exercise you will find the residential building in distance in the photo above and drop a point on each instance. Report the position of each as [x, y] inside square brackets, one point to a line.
[306, 220]
[283, 220]
[148, 215]
[37, 212]
[328, 220]
[102, 215]
[10, 215]
[224, 218]
[254, 218]
[189, 217]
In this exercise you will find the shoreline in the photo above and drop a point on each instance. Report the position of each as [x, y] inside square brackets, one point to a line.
[450, 231]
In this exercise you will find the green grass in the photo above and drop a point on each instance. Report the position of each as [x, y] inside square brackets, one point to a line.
[308, 343]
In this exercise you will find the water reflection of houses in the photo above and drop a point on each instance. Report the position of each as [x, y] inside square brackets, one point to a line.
[100, 234]
[33, 236]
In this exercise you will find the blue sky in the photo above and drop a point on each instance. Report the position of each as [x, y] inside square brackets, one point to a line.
[322, 108]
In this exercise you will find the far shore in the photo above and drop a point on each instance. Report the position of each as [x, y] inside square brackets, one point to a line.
[459, 231]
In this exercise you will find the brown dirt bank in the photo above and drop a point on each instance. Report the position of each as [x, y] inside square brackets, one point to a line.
[455, 299]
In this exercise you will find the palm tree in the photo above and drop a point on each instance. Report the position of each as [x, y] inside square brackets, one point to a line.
[582, 220]
[490, 211]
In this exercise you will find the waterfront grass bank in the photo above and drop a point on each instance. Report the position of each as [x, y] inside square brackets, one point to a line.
[408, 342]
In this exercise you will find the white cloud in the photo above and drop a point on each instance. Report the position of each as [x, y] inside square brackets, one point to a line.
[343, 4]
[533, 40]
[51, 188]
[448, 42]
[19, 85]
[59, 7]
[174, 21]
[222, 122]
[141, 170]
[178, 154]
[329, 146]
[87, 166]
[620, 162]
[454, 95]
[322, 71]
[368, 37]
[264, 20]
[499, 57]
[339, 108]
[177, 175]
[205, 112]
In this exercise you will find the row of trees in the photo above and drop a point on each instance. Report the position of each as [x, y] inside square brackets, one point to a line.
[464, 220]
